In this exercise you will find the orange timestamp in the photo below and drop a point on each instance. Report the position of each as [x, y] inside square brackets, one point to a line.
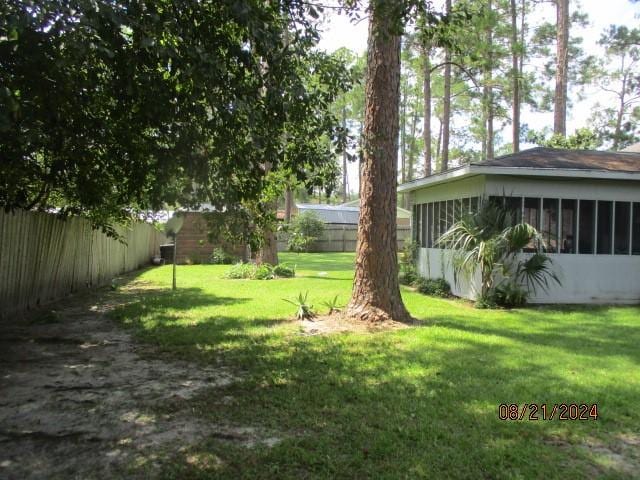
[543, 411]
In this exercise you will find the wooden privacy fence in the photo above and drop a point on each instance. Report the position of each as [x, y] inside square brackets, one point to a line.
[341, 238]
[43, 258]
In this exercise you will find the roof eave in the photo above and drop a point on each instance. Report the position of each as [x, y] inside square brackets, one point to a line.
[471, 170]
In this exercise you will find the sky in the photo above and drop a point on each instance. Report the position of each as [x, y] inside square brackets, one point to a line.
[338, 31]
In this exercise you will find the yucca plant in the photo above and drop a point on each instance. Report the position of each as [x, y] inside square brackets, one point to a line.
[304, 309]
[332, 305]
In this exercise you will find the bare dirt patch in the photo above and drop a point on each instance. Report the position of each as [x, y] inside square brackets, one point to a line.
[79, 398]
[619, 456]
[338, 323]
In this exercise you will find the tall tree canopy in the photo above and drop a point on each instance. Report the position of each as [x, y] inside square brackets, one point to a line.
[108, 108]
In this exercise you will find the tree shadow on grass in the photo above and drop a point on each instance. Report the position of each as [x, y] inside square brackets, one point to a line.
[421, 402]
[602, 337]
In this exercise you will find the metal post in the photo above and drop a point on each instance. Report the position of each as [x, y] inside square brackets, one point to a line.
[175, 249]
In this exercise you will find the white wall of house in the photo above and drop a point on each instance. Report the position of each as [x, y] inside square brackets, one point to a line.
[436, 263]
[586, 278]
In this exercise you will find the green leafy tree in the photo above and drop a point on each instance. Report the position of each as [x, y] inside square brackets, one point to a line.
[582, 139]
[112, 108]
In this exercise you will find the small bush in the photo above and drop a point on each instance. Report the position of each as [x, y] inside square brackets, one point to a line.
[240, 270]
[263, 272]
[284, 271]
[509, 295]
[484, 302]
[220, 257]
[408, 276]
[436, 287]
[409, 254]
[304, 229]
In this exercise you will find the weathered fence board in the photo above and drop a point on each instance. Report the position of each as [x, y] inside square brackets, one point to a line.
[43, 258]
[341, 238]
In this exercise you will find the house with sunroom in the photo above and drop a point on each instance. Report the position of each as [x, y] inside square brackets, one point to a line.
[586, 205]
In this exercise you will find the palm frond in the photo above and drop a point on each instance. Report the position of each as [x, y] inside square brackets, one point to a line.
[536, 272]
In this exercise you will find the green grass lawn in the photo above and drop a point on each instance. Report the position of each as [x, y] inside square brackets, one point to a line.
[420, 402]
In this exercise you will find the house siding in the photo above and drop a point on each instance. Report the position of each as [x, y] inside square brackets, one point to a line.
[586, 278]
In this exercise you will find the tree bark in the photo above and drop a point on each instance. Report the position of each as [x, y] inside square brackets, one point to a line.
[345, 176]
[515, 78]
[426, 134]
[411, 157]
[446, 114]
[376, 292]
[439, 146]
[288, 204]
[562, 65]
[403, 133]
[621, 108]
[488, 90]
[268, 252]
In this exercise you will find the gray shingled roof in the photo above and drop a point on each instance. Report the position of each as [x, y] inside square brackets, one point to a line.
[541, 157]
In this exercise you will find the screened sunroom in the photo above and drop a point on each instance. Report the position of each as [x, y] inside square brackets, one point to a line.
[586, 205]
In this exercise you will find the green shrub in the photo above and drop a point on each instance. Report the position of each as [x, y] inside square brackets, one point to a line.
[509, 295]
[263, 272]
[240, 270]
[299, 243]
[304, 229]
[409, 255]
[220, 257]
[486, 301]
[436, 287]
[408, 272]
[408, 276]
[284, 271]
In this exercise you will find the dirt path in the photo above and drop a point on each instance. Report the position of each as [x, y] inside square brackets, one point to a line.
[76, 398]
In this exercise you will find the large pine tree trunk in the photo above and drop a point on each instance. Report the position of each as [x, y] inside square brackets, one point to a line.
[446, 113]
[426, 134]
[376, 292]
[403, 133]
[515, 73]
[562, 65]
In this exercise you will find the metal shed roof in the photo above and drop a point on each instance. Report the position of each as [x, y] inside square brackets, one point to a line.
[332, 213]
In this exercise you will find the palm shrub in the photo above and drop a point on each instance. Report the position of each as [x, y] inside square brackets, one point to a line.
[489, 240]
